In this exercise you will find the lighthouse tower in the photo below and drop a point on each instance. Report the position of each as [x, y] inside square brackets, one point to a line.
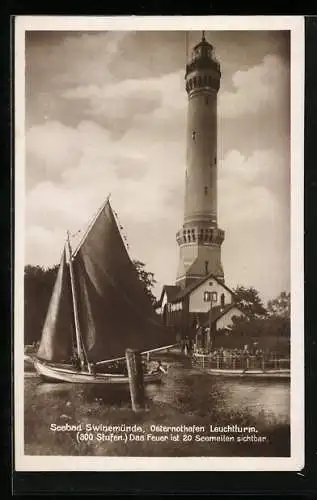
[200, 238]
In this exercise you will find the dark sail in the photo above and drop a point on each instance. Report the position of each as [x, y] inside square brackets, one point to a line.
[57, 333]
[114, 311]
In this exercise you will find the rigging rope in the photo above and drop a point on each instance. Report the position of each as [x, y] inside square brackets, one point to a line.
[120, 228]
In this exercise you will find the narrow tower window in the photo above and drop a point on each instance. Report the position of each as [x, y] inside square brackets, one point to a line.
[194, 135]
[206, 266]
[206, 101]
[206, 190]
[215, 159]
[222, 299]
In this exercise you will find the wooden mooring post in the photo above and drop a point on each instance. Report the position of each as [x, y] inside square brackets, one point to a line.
[136, 379]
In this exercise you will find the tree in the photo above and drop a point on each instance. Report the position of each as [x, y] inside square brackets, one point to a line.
[269, 329]
[280, 306]
[147, 279]
[268, 333]
[248, 299]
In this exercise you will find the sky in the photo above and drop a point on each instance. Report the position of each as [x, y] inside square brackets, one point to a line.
[106, 113]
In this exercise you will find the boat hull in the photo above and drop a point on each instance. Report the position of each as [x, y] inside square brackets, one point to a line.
[28, 363]
[248, 373]
[67, 374]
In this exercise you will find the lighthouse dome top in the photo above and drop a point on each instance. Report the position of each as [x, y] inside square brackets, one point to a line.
[203, 57]
[203, 47]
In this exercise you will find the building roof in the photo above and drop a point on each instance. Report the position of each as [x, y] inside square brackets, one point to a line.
[218, 312]
[186, 291]
[171, 291]
[203, 42]
[203, 58]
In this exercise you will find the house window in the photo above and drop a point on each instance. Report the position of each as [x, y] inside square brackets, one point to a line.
[222, 300]
[165, 321]
[207, 296]
[210, 297]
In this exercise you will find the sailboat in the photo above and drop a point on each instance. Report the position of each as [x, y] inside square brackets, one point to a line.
[98, 309]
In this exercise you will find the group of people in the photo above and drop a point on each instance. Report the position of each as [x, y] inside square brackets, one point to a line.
[203, 344]
[186, 345]
[236, 353]
[245, 352]
[78, 364]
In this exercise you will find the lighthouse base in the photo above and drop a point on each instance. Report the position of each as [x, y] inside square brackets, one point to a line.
[196, 261]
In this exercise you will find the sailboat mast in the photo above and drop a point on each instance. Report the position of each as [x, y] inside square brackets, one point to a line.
[77, 328]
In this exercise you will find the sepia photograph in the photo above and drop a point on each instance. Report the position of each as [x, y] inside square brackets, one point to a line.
[158, 235]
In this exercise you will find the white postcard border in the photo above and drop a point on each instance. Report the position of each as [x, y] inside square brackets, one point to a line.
[218, 23]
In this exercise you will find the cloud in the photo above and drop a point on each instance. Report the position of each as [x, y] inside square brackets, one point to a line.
[129, 98]
[260, 88]
[255, 217]
[252, 188]
[139, 175]
[54, 145]
[74, 57]
[44, 246]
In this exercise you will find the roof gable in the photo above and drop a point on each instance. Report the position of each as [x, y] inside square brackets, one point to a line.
[171, 291]
[218, 311]
[184, 293]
